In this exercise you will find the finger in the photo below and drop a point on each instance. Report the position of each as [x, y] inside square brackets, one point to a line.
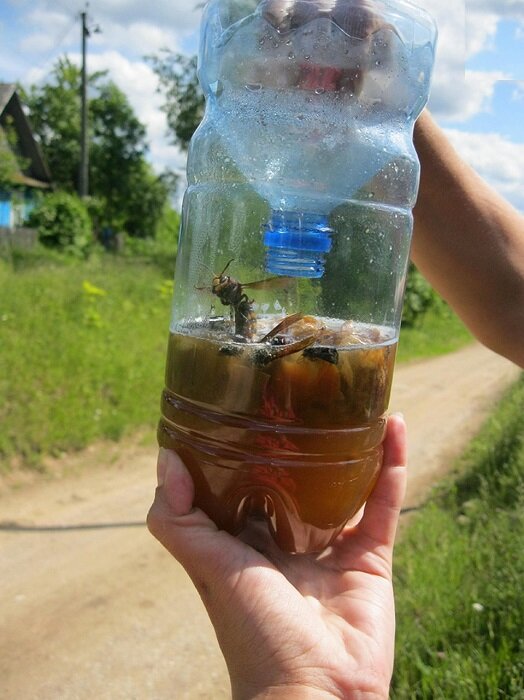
[380, 520]
[206, 553]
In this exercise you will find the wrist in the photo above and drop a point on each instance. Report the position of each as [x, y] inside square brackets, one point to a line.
[302, 692]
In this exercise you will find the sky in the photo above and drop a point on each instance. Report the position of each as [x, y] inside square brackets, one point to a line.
[477, 91]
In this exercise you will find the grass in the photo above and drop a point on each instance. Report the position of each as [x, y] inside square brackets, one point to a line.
[459, 572]
[82, 353]
[83, 348]
[439, 332]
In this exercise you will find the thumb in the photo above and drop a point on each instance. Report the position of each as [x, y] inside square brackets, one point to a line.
[381, 514]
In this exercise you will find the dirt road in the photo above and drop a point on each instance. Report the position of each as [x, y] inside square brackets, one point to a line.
[91, 607]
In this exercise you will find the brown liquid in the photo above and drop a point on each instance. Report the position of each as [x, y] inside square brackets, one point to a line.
[296, 439]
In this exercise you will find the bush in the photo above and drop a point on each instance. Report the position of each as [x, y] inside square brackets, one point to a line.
[160, 250]
[418, 299]
[63, 223]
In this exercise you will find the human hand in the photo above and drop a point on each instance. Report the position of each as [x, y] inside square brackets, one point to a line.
[294, 626]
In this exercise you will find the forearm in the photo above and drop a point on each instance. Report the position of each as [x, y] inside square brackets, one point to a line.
[469, 244]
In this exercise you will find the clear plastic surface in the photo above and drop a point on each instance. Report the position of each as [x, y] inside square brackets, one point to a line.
[292, 259]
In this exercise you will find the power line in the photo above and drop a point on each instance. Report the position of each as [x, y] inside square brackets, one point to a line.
[59, 41]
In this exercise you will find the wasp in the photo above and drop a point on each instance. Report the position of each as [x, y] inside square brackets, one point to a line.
[232, 293]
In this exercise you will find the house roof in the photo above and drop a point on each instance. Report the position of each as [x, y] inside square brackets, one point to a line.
[6, 92]
[10, 105]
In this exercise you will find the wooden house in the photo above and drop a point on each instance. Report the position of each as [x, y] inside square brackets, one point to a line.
[23, 168]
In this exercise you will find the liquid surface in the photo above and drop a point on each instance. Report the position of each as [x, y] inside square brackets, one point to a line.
[290, 429]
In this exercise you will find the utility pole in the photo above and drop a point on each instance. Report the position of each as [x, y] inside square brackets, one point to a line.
[83, 176]
[83, 180]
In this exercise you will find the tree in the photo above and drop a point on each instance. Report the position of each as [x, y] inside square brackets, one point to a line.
[184, 99]
[148, 195]
[120, 174]
[55, 117]
[118, 145]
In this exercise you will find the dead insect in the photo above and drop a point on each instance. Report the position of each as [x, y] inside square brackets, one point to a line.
[231, 293]
[281, 345]
[231, 350]
[322, 353]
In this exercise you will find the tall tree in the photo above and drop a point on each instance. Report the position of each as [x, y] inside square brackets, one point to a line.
[120, 175]
[184, 99]
[55, 117]
[118, 145]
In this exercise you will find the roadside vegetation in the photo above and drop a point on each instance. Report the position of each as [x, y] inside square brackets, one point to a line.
[459, 571]
[84, 342]
[84, 316]
[437, 332]
[83, 352]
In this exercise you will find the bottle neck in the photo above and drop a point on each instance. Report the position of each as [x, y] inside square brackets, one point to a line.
[297, 244]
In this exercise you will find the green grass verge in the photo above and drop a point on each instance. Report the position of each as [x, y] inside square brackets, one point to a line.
[82, 353]
[440, 331]
[459, 575]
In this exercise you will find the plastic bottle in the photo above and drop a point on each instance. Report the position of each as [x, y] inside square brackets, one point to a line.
[292, 258]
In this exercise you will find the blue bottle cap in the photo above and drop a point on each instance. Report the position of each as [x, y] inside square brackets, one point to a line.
[297, 244]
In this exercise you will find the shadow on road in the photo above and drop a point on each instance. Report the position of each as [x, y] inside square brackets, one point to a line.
[16, 527]
[11, 526]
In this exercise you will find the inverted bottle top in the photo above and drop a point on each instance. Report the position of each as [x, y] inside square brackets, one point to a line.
[358, 19]
[297, 244]
[372, 53]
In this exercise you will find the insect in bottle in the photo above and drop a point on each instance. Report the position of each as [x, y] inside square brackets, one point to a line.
[232, 293]
[278, 342]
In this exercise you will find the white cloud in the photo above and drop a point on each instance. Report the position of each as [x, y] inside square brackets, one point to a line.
[482, 20]
[458, 94]
[179, 16]
[497, 159]
[51, 31]
[134, 33]
[465, 96]
[138, 39]
[518, 92]
[511, 9]
[481, 30]
[139, 83]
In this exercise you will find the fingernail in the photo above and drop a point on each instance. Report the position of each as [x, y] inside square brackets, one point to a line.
[177, 484]
[161, 466]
